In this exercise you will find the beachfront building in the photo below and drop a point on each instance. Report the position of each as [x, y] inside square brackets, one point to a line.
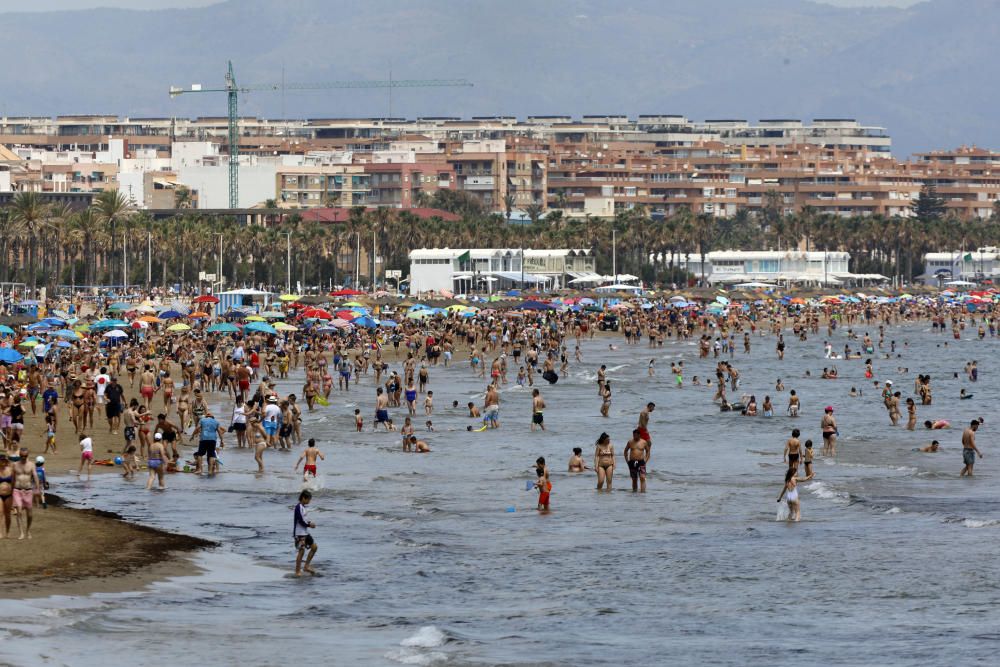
[464, 270]
[772, 266]
[965, 265]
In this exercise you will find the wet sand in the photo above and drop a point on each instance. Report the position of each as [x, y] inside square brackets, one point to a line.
[85, 551]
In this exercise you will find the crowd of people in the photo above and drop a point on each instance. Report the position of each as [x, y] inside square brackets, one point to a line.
[155, 391]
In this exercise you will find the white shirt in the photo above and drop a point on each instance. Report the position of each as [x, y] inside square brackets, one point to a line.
[271, 412]
[87, 444]
[101, 382]
[239, 415]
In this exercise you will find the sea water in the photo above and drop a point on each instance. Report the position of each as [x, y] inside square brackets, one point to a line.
[893, 562]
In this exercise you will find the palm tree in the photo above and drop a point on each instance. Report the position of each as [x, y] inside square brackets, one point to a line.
[29, 213]
[112, 207]
[508, 205]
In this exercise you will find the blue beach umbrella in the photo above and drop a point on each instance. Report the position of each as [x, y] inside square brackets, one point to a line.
[170, 315]
[9, 356]
[262, 327]
[223, 327]
[388, 323]
[6, 330]
[364, 321]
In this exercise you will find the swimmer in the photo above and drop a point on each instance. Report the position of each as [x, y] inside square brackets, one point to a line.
[931, 448]
[937, 424]
[576, 463]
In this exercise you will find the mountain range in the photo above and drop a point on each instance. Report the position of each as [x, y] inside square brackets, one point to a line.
[924, 72]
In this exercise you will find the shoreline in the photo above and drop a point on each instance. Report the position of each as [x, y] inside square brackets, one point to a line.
[80, 552]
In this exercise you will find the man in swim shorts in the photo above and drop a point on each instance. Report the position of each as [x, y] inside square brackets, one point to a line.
[637, 451]
[25, 484]
[309, 455]
[969, 449]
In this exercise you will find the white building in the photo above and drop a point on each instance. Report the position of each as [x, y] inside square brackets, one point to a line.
[786, 266]
[460, 270]
[961, 265]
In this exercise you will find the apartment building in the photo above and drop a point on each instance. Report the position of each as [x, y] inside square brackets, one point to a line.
[395, 184]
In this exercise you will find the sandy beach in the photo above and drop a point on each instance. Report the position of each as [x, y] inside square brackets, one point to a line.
[85, 551]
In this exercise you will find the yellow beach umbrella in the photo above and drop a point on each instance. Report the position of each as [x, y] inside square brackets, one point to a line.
[289, 297]
[180, 326]
[281, 326]
[254, 318]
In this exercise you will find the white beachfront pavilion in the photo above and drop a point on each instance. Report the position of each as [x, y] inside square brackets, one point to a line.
[464, 270]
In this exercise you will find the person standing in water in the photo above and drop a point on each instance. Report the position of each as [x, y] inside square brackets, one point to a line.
[303, 540]
[637, 452]
[829, 427]
[604, 461]
[791, 495]
[969, 449]
[792, 450]
[537, 410]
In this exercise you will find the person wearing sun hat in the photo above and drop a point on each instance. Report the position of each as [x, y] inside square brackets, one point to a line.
[829, 427]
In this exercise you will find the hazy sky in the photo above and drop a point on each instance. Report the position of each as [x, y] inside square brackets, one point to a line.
[50, 5]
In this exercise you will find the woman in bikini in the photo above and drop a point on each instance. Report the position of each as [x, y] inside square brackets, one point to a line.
[604, 461]
[89, 402]
[77, 400]
[183, 406]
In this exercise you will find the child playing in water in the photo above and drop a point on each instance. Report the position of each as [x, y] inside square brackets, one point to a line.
[544, 487]
[359, 421]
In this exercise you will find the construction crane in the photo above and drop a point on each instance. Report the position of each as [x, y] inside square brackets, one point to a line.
[233, 91]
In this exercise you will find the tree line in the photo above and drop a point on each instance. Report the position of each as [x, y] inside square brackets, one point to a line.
[42, 244]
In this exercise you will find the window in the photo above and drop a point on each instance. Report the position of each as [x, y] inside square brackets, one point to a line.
[768, 266]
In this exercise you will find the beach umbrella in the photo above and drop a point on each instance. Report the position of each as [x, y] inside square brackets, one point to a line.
[108, 324]
[6, 330]
[120, 307]
[456, 307]
[337, 323]
[365, 321]
[347, 314]
[723, 300]
[55, 321]
[66, 333]
[38, 326]
[289, 297]
[139, 324]
[150, 319]
[206, 298]
[28, 342]
[180, 326]
[388, 323]
[254, 318]
[346, 292]
[223, 327]
[146, 309]
[198, 316]
[418, 314]
[262, 327]
[170, 315]
[317, 313]
[63, 343]
[354, 304]
[116, 333]
[281, 326]
[272, 315]
[234, 315]
[9, 356]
